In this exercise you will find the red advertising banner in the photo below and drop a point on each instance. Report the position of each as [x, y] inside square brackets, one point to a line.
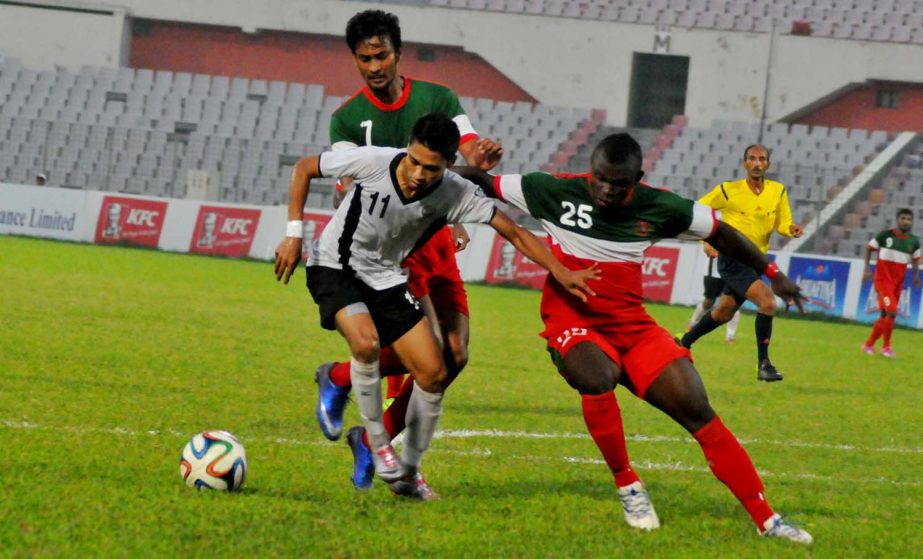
[507, 265]
[658, 271]
[130, 221]
[224, 231]
[314, 224]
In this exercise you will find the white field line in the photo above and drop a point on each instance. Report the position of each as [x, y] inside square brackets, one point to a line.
[464, 433]
[644, 465]
[682, 467]
[489, 434]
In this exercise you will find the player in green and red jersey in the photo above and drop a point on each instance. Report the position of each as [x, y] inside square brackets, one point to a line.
[608, 218]
[896, 249]
[383, 113]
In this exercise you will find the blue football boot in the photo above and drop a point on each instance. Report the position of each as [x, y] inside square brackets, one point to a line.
[331, 400]
[363, 466]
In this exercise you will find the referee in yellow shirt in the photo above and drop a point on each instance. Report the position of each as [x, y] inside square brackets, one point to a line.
[756, 207]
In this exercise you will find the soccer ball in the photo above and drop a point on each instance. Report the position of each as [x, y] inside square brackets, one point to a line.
[214, 460]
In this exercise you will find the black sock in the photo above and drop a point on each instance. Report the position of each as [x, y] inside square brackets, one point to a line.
[763, 334]
[702, 327]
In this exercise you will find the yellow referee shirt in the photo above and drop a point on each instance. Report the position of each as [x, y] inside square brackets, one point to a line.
[753, 215]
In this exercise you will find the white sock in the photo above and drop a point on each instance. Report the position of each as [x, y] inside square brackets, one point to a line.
[732, 326]
[423, 412]
[366, 380]
[697, 314]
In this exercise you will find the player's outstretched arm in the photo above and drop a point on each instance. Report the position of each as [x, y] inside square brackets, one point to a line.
[485, 181]
[731, 242]
[537, 251]
[288, 253]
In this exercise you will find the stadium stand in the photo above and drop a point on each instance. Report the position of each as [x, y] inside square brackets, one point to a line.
[898, 21]
[814, 163]
[140, 131]
[902, 187]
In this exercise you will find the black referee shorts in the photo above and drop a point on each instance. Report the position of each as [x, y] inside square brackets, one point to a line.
[713, 287]
[737, 277]
[394, 310]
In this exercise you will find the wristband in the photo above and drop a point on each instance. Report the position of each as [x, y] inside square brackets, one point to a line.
[772, 270]
[295, 228]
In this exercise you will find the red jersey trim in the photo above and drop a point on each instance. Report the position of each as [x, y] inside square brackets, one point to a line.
[467, 138]
[899, 235]
[572, 176]
[714, 228]
[350, 98]
[497, 187]
[397, 105]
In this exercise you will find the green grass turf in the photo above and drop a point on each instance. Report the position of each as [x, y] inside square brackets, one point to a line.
[111, 358]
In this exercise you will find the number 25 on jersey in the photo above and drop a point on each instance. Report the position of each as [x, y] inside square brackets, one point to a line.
[582, 213]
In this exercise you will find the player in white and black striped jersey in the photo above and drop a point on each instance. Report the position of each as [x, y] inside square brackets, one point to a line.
[398, 199]
[713, 285]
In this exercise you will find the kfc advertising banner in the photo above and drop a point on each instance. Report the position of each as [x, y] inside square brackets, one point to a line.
[130, 221]
[507, 265]
[224, 231]
[658, 269]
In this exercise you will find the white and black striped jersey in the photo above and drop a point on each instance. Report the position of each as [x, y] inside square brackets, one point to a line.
[376, 227]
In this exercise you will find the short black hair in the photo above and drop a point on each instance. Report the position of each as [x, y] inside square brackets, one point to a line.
[761, 146]
[618, 148]
[904, 211]
[373, 23]
[437, 132]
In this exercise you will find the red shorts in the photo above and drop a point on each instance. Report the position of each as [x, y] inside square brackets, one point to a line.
[641, 354]
[433, 271]
[888, 299]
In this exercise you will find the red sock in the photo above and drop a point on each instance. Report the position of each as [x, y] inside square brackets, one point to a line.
[392, 368]
[396, 414]
[731, 465]
[388, 365]
[604, 422]
[887, 330]
[339, 374]
[877, 331]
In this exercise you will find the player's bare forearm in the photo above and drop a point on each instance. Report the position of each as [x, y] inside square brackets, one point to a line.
[537, 251]
[302, 173]
[733, 243]
[288, 253]
[484, 180]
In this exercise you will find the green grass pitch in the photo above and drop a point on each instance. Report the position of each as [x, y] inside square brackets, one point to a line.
[111, 358]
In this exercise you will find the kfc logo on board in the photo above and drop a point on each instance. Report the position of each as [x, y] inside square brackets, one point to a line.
[224, 231]
[130, 221]
[658, 269]
[507, 265]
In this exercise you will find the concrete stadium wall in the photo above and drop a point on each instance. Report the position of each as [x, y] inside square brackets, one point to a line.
[48, 34]
[671, 271]
[568, 62]
[305, 58]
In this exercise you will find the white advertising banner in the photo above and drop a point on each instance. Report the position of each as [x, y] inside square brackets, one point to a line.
[672, 271]
[55, 213]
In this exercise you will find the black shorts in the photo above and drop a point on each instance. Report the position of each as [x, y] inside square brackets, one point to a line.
[737, 277]
[713, 287]
[394, 310]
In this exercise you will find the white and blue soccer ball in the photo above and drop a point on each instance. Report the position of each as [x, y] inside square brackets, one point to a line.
[214, 460]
